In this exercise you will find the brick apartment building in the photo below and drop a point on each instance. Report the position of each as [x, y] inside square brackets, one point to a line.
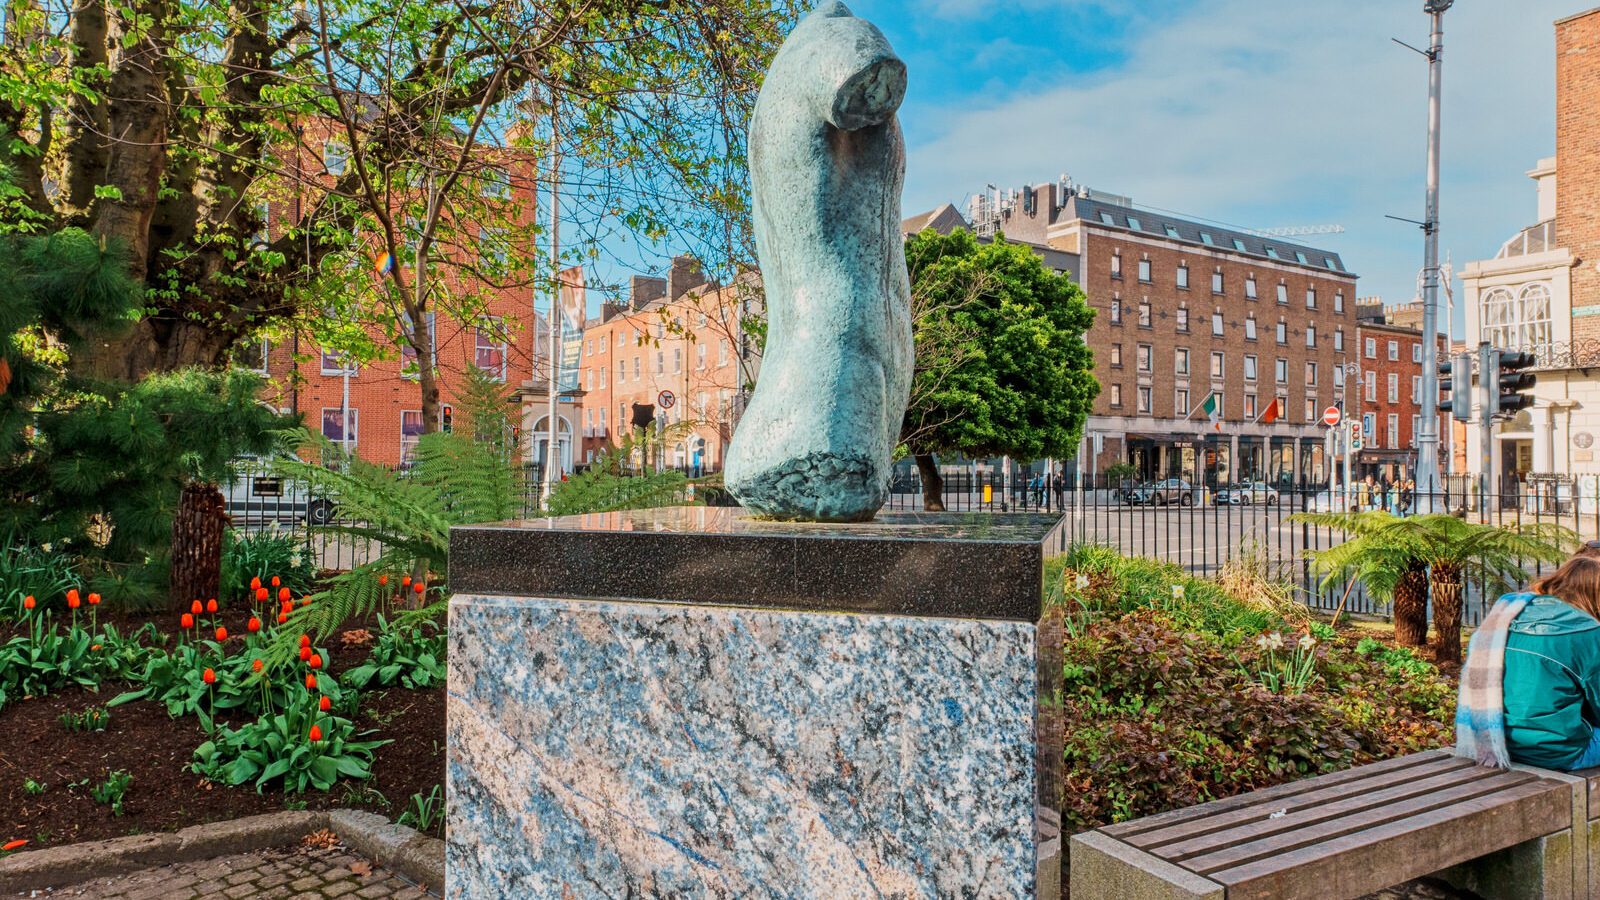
[1188, 311]
[676, 335]
[1386, 394]
[1540, 292]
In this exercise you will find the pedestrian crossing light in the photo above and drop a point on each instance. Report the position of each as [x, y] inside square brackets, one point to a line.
[1515, 386]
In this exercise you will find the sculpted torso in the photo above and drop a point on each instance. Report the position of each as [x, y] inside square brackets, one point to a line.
[827, 162]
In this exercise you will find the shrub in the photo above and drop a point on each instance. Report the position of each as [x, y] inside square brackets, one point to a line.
[411, 655]
[264, 554]
[32, 570]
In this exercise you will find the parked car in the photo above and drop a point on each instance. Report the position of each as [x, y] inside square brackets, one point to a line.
[1161, 493]
[1246, 493]
[256, 495]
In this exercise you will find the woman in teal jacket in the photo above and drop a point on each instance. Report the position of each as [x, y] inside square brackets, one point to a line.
[1552, 671]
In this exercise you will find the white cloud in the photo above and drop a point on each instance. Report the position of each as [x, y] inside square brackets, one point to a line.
[1282, 114]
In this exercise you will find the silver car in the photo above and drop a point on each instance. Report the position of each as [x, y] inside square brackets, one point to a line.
[1246, 493]
[1163, 492]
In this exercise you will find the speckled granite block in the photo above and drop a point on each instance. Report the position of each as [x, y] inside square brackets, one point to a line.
[606, 749]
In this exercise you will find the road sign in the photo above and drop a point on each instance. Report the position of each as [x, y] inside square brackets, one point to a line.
[666, 400]
[1332, 416]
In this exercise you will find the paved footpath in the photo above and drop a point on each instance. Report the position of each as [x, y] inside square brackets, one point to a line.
[292, 873]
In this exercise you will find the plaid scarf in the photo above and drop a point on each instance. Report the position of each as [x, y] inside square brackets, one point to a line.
[1481, 707]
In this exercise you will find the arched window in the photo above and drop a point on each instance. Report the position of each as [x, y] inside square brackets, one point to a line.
[1500, 317]
[1535, 331]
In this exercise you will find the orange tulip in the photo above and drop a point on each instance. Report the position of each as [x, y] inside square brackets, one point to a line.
[282, 618]
[325, 704]
[222, 634]
[305, 601]
[315, 661]
[95, 647]
[211, 605]
[283, 592]
[254, 625]
[94, 599]
[255, 584]
[72, 597]
[208, 676]
[13, 845]
[261, 595]
[420, 588]
[311, 682]
[274, 581]
[383, 580]
[186, 620]
[405, 581]
[255, 666]
[305, 654]
[305, 640]
[316, 733]
[27, 602]
[195, 607]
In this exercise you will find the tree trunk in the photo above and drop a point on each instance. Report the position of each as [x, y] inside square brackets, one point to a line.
[932, 482]
[1446, 613]
[1411, 608]
[153, 345]
[427, 375]
[197, 530]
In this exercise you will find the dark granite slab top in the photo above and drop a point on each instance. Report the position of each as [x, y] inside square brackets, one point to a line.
[958, 565]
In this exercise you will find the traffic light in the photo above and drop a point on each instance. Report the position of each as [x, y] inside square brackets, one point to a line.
[1514, 385]
[1455, 377]
[444, 420]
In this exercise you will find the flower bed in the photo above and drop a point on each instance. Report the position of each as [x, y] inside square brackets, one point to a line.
[1177, 691]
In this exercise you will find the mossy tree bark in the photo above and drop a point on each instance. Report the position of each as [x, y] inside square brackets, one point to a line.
[1411, 608]
[1447, 591]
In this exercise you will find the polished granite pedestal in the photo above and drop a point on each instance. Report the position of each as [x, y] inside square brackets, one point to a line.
[689, 702]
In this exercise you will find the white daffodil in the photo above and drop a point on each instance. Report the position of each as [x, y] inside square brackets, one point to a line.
[1275, 641]
[1307, 642]
[1261, 641]
[1082, 581]
[1177, 592]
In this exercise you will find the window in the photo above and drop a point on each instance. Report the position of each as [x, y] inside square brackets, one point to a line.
[489, 349]
[1283, 293]
[1250, 288]
[1116, 356]
[1144, 313]
[619, 339]
[1116, 312]
[1144, 270]
[1394, 387]
[1116, 395]
[699, 356]
[1205, 238]
[1283, 332]
[602, 385]
[723, 347]
[1143, 396]
[1219, 363]
[408, 353]
[335, 157]
[1216, 282]
[1416, 389]
[1280, 370]
[1311, 374]
[253, 356]
[410, 433]
[661, 362]
[1311, 409]
[588, 347]
[1183, 277]
[1394, 351]
[333, 425]
[1144, 358]
[1311, 298]
[1338, 339]
[1338, 301]
[1416, 426]
[1338, 377]
[1238, 245]
[493, 247]
[1180, 361]
[1106, 218]
[1180, 402]
[1183, 318]
[1311, 335]
[1172, 231]
[1250, 327]
[1133, 223]
[1216, 324]
[1272, 252]
[1249, 406]
[1372, 387]
[1394, 431]
[677, 359]
[1416, 352]
[636, 375]
[336, 364]
[1249, 367]
[1116, 265]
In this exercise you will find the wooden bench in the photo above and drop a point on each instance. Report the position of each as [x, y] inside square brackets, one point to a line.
[1517, 833]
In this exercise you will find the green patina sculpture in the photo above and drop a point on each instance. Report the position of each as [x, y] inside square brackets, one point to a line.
[827, 162]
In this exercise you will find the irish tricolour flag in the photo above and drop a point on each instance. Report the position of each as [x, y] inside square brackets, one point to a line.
[1213, 410]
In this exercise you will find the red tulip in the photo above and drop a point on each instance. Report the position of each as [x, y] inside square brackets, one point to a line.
[286, 606]
[254, 625]
[283, 592]
[383, 580]
[13, 845]
[255, 584]
[282, 618]
[261, 595]
[305, 601]
[222, 634]
[72, 600]
[311, 682]
[324, 704]
[274, 581]
[211, 605]
[420, 588]
[27, 602]
[95, 647]
[305, 654]
[195, 607]
[186, 620]
[315, 661]
[94, 599]
[255, 666]
[405, 581]
[316, 733]
[208, 676]
[305, 640]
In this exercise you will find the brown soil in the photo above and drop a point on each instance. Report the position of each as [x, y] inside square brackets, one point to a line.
[164, 794]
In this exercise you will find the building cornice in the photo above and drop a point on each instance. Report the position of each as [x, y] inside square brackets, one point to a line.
[1135, 237]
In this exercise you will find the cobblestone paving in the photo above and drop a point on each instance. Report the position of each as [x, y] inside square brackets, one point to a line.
[297, 873]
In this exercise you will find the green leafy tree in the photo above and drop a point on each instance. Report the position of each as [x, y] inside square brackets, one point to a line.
[1001, 365]
[1391, 554]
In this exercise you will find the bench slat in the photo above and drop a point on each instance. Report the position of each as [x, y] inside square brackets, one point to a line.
[1435, 809]
[1451, 771]
[1261, 825]
[1356, 864]
[1124, 830]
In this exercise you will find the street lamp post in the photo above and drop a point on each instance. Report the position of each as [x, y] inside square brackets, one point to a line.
[1428, 438]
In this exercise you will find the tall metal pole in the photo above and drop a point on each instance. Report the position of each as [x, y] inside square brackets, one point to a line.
[1428, 439]
[1488, 393]
[551, 452]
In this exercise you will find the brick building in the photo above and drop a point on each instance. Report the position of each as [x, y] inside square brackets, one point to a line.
[1386, 395]
[1189, 312]
[1540, 292]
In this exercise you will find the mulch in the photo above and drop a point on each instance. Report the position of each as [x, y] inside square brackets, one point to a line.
[156, 750]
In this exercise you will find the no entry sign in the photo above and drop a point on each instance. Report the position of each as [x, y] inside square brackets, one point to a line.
[1331, 416]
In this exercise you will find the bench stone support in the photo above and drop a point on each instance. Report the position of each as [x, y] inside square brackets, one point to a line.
[1556, 866]
[1103, 867]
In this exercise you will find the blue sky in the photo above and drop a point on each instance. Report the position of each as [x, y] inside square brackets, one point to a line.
[1248, 112]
